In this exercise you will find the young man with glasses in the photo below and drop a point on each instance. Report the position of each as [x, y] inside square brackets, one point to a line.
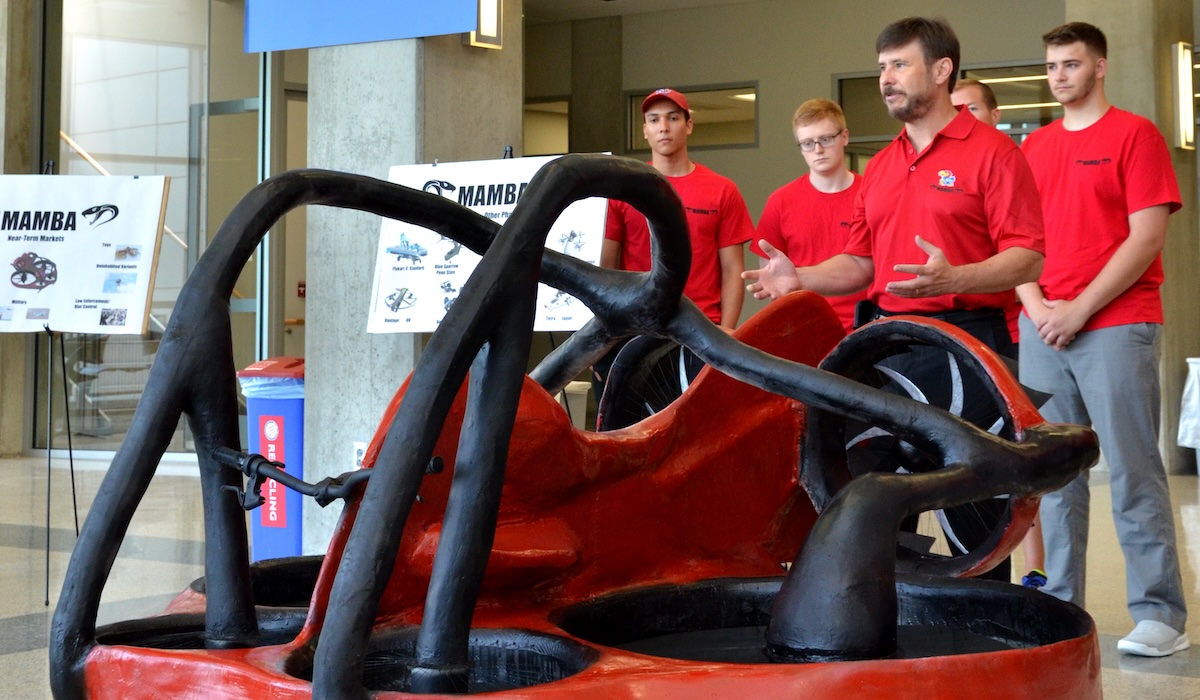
[808, 219]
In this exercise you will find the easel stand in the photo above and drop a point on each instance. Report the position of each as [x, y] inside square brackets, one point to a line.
[50, 437]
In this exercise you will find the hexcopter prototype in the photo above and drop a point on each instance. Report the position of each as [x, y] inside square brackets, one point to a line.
[728, 546]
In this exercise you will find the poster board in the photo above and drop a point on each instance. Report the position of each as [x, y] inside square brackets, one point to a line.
[419, 274]
[81, 252]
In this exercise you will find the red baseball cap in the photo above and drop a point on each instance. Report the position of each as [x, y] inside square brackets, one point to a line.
[666, 94]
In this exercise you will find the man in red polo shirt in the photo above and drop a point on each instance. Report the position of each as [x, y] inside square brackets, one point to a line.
[948, 219]
[947, 223]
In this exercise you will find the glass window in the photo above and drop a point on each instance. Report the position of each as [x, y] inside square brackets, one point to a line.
[156, 87]
[130, 75]
[1022, 94]
[725, 115]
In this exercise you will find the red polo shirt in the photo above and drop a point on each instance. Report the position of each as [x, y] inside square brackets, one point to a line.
[717, 218]
[970, 193]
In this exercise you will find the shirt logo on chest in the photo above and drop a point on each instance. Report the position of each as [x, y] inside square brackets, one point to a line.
[1094, 161]
[946, 178]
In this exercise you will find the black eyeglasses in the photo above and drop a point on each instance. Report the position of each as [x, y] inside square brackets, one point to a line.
[825, 141]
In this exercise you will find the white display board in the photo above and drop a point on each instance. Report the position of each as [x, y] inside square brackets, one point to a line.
[419, 274]
[82, 252]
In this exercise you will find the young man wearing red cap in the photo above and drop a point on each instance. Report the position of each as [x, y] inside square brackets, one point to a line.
[717, 216]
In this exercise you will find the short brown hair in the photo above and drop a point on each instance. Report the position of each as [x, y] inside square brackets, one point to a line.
[1071, 32]
[936, 37]
[815, 110]
[989, 97]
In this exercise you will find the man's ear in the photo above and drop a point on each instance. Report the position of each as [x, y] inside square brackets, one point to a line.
[942, 69]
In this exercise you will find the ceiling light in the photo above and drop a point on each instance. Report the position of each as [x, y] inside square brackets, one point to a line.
[1013, 79]
[1030, 105]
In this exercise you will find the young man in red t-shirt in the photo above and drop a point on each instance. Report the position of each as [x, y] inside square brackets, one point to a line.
[719, 224]
[1090, 335]
[808, 219]
[718, 219]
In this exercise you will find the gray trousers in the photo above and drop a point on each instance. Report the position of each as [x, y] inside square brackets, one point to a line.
[1108, 379]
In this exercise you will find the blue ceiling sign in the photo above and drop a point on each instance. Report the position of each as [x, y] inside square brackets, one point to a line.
[275, 25]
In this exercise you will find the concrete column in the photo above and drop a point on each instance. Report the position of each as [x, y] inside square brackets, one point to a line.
[1140, 35]
[597, 107]
[18, 153]
[372, 106]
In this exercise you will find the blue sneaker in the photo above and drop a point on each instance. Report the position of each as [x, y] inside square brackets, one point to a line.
[1034, 579]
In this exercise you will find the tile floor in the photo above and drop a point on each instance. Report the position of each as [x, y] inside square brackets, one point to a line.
[163, 553]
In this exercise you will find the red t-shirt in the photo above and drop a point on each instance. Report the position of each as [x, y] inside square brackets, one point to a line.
[810, 226]
[1091, 180]
[717, 218]
[970, 193]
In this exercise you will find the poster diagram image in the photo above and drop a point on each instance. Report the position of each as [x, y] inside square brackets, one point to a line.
[112, 317]
[32, 271]
[38, 314]
[559, 300]
[128, 253]
[572, 242]
[6, 313]
[455, 248]
[400, 299]
[451, 294]
[407, 249]
[120, 282]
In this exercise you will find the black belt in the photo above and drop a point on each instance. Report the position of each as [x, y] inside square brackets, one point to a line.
[956, 317]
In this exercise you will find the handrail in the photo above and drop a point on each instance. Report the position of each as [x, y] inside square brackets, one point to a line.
[101, 169]
[74, 145]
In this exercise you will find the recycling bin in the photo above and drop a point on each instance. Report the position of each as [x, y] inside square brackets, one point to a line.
[274, 391]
